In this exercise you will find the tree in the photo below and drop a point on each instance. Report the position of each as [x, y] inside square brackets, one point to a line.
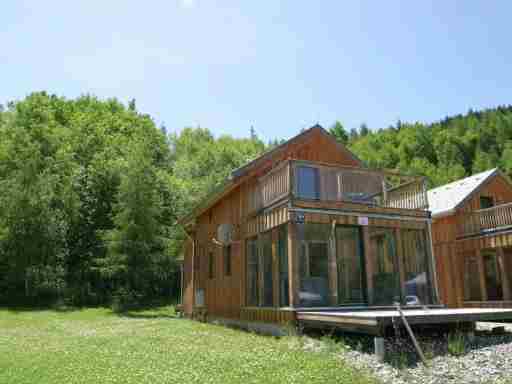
[138, 242]
[363, 130]
[353, 135]
[61, 165]
[339, 132]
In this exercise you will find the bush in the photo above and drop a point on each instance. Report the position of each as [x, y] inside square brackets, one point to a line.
[456, 344]
[126, 300]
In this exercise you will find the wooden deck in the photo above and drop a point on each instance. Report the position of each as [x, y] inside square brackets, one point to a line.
[376, 321]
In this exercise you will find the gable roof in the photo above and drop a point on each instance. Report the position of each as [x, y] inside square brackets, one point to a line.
[237, 175]
[274, 151]
[444, 200]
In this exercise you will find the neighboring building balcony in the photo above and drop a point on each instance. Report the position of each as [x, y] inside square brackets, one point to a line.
[337, 187]
[485, 221]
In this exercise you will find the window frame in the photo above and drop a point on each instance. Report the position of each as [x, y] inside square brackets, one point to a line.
[489, 202]
[316, 185]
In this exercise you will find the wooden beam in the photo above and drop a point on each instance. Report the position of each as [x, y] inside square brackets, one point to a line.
[368, 255]
[481, 274]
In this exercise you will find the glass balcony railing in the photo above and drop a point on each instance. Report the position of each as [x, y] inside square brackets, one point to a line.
[304, 180]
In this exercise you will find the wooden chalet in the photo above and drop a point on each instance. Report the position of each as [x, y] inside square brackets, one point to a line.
[472, 236]
[307, 233]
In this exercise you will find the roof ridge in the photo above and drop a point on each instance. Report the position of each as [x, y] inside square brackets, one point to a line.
[491, 170]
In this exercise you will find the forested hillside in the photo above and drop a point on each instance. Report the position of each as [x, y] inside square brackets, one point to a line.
[90, 192]
[443, 151]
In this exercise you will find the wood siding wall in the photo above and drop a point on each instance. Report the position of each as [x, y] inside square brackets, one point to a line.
[225, 295]
[450, 253]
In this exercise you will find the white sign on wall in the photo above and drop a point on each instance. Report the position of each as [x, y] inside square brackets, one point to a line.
[362, 220]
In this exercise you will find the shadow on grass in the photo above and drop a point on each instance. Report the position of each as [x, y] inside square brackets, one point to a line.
[142, 315]
[25, 309]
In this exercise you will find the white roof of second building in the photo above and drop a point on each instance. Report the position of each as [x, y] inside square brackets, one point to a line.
[444, 199]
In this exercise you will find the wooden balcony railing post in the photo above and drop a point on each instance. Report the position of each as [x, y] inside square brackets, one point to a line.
[488, 219]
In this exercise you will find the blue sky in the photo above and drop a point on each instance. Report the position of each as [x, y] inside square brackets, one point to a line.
[279, 66]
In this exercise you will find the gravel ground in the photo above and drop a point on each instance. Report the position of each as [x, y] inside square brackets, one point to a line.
[486, 359]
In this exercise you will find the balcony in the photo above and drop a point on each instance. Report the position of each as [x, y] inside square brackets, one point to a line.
[485, 221]
[312, 181]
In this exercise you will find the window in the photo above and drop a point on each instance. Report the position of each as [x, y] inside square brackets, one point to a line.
[266, 254]
[227, 260]
[471, 279]
[282, 250]
[307, 182]
[418, 288]
[492, 276]
[313, 240]
[252, 272]
[386, 279]
[350, 265]
[486, 202]
[211, 265]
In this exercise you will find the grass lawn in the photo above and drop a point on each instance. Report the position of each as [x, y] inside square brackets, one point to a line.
[98, 346]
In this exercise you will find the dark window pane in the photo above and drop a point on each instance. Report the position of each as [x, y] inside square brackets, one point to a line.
[318, 264]
[252, 272]
[350, 265]
[471, 279]
[282, 249]
[386, 280]
[313, 247]
[266, 249]
[418, 287]
[307, 182]
[492, 276]
[227, 260]
[211, 265]
[486, 202]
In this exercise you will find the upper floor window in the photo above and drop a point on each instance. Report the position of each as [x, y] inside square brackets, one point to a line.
[307, 182]
[227, 260]
[486, 202]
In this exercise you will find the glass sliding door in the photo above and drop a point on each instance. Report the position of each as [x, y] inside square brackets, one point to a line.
[350, 266]
[386, 278]
[266, 255]
[492, 275]
[418, 287]
[252, 273]
[313, 249]
[282, 252]
[471, 280]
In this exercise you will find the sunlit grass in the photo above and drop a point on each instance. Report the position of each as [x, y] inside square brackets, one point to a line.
[96, 345]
